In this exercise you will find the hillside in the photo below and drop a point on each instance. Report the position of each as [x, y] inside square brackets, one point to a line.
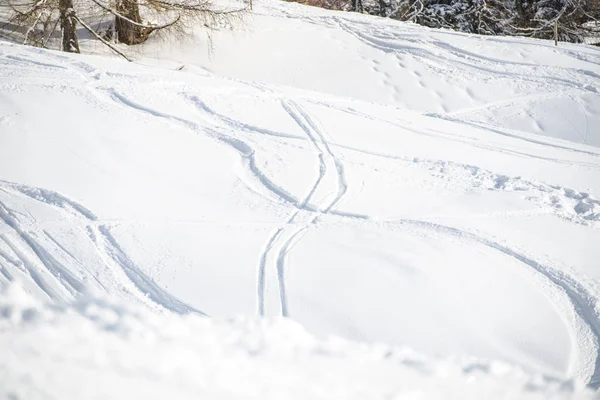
[369, 179]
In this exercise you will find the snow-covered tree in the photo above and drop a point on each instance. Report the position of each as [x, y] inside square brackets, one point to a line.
[536, 18]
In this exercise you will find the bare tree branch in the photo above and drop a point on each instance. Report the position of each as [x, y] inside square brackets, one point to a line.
[117, 14]
[100, 38]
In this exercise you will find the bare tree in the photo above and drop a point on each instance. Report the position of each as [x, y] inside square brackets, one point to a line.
[109, 21]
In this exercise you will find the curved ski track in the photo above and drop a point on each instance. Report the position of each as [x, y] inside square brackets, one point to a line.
[327, 159]
[583, 301]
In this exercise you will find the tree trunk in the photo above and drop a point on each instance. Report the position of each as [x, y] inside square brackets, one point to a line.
[357, 6]
[128, 32]
[68, 24]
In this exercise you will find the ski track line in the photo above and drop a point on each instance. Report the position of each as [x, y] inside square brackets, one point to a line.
[293, 112]
[580, 297]
[67, 252]
[281, 250]
[260, 287]
[285, 249]
[108, 246]
[51, 198]
[8, 259]
[230, 122]
[248, 153]
[4, 272]
[272, 242]
[33, 271]
[300, 115]
[478, 59]
[316, 136]
[62, 275]
[450, 117]
[245, 150]
[465, 140]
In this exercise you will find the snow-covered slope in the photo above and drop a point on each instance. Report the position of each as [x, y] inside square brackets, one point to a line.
[369, 179]
[509, 84]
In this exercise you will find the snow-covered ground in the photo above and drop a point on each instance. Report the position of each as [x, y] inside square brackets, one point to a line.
[371, 180]
[99, 349]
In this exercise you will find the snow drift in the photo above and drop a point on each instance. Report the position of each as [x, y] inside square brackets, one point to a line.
[99, 348]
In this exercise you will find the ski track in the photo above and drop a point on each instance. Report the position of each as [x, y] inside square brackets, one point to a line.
[316, 137]
[51, 198]
[260, 287]
[245, 151]
[33, 271]
[502, 132]
[109, 246]
[292, 110]
[281, 267]
[325, 156]
[233, 123]
[471, 142]
[69, 286]
[68, 282]
[72, 257]
[583, 301]
[313, 130]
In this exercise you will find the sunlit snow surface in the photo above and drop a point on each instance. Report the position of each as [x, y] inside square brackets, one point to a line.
[371, 180]
[98, 349]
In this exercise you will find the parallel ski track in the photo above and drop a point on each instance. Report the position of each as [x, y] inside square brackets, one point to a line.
[325, 155]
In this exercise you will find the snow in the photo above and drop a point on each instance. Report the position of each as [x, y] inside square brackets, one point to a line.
[371, 180]
[98, 349]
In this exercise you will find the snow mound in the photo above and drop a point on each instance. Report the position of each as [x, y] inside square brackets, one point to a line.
[101, 348]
